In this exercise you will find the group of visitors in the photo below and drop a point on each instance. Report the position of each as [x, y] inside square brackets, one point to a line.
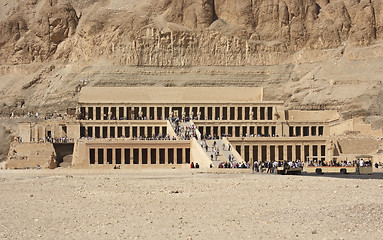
[378, 165]
[233, 165]
[272, 166]
[194, 166]
[59, 140]
[183, 132]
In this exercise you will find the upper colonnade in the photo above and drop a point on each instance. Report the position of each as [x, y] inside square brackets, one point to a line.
[160, 103]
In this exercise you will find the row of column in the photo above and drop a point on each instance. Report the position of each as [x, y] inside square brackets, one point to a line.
[122, 131]
[280, 152]
[296, 131]
[41, 133]
[138, 156]
[199, 112]
[239, 131]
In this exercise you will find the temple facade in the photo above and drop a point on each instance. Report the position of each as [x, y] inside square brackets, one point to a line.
[154, 127]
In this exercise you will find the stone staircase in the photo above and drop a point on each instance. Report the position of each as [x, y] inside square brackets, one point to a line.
[221, 145]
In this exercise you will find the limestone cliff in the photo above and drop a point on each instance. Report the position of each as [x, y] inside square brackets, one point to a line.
[320, 53]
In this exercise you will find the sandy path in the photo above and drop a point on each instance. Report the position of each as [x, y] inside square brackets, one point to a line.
[185, 204]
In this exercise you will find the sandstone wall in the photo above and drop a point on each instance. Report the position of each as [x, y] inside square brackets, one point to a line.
[29, 155]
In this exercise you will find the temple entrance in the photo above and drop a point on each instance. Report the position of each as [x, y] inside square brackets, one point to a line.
[64, 154]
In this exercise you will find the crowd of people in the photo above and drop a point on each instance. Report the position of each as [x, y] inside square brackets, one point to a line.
[183, 132]
[59, 140]
[233, 165]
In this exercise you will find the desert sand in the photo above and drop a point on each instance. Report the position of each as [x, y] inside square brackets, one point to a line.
[187, 204]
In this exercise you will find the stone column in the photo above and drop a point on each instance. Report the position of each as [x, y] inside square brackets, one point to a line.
[277, 152]
[183, 155]
[118, 112]
[240, 131]
[155, 113]
[220, 113]
[131, 131]
[96, 156]
[235, 113]
[284, 152]
[123, 131]
[149, 160]
[140, 155]
[293, 152]
[102, 112]
[157, 156]
[213, 113]
[166, 156]
[122, 155]
[259, 112]
[311, 150]
[131, 156]
[266, 113]
[43, 130]
[204, 130]
[113, 156]
[140, 112]
[243, 112]
[105, 156]
[268, 155]
[163, 113]
[259, 153]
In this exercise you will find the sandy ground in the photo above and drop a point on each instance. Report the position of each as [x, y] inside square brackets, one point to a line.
[186, 204]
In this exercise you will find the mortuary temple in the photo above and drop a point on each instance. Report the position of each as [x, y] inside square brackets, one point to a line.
[162, 127]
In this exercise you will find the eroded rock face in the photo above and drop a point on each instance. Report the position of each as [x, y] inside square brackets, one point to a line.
[34, 36]
[129, 31]
[46, 46]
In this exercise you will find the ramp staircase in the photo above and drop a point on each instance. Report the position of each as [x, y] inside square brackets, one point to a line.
[223, 154]
[187, 130]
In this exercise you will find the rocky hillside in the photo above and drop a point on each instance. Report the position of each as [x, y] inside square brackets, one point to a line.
[314, 54]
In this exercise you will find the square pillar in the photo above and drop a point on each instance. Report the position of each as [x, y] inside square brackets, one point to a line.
[113, 156]
[268, 155]
[311, 150]
[155, 112]
[235, 113]
[166, 156]
[131, 156]
[105, 156]
[293, 152]
[157, 156]
[96, 156]
[183, 155]
[139, 156]
[149, 156]
[122, 155]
